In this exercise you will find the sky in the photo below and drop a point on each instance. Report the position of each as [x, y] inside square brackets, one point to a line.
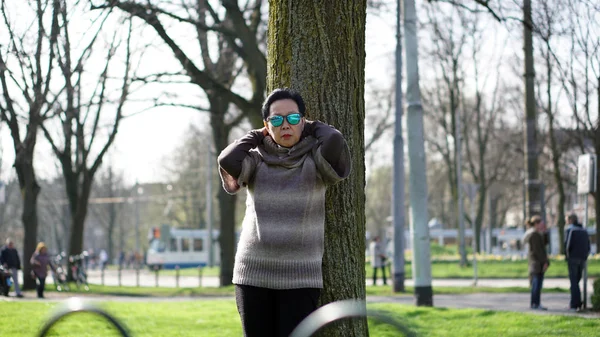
[146, 140]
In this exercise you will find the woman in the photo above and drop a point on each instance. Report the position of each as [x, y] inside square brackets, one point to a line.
[39, 265]
[377, 252]
[538, 259]
[286, 167]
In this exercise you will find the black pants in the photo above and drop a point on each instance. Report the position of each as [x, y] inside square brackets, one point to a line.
[273, 313]
[40, 286]
[575, 274]
[375, 274]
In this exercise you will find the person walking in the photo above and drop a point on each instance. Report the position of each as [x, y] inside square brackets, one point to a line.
[103, 259]
[9, 258]
[538, 259]
[286, 167]
[40, 261]
[378, 258]
[577, 249]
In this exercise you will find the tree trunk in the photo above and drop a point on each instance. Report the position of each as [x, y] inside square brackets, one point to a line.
[556, 165]
[481, 201]
[318, 48]
[596, 193]
[227, 203]
[227, 236]
[112, 226]
[533, 192]
[29, 192]
[78, 216]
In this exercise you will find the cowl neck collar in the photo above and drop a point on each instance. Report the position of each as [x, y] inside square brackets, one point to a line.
[274, 154]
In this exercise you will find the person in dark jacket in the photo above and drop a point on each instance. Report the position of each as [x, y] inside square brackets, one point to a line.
[9, 258]
[577, 249]
[538, 259]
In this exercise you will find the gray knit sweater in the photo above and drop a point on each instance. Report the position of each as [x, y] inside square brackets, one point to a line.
[282, 238]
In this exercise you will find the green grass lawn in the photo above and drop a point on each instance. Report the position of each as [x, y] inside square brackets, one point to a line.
[229, 291]
[452, 269]
[219, 318]
[495, 269]
[147, 291]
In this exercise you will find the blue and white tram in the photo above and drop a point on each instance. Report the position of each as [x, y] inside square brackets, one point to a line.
[184, 248]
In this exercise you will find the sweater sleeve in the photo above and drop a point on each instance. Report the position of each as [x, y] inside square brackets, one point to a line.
[333, 155]
[33, 259]
[234, 160]
[232, 185]
[568, 242]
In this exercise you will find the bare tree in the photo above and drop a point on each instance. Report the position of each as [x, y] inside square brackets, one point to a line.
[54, 214]
[11, 208]
[548, 28]
[107, 205]
[187, 170]
[486, 146]
[447, 56]
[27, 62]
[239, 33]
[89, 105]
[579, 75]
[378, 200]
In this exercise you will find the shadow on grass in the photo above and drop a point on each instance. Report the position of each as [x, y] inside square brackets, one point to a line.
[487, 313]
[386, 321]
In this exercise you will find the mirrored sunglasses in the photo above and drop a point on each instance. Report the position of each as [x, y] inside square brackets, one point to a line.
[292, 119]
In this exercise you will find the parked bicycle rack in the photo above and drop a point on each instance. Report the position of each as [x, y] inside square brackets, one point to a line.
[314, 322]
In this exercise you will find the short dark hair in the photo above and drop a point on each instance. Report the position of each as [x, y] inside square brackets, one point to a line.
[279, 94]
[572, 218]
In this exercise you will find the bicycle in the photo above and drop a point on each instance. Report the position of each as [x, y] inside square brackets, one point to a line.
[59, 274]
[78, 270]
[5, 281]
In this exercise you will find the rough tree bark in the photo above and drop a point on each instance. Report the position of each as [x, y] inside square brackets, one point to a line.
[318, 48]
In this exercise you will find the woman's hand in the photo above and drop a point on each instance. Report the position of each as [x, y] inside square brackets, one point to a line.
[257, 135]
[309, 129]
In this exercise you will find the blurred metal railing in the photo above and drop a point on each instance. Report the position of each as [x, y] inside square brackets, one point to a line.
[310, 325]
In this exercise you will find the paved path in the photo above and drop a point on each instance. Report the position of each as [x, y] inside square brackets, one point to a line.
[556, 302]
[516, 302]
[148, 279]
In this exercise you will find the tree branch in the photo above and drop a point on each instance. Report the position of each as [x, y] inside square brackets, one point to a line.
[197, 76]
